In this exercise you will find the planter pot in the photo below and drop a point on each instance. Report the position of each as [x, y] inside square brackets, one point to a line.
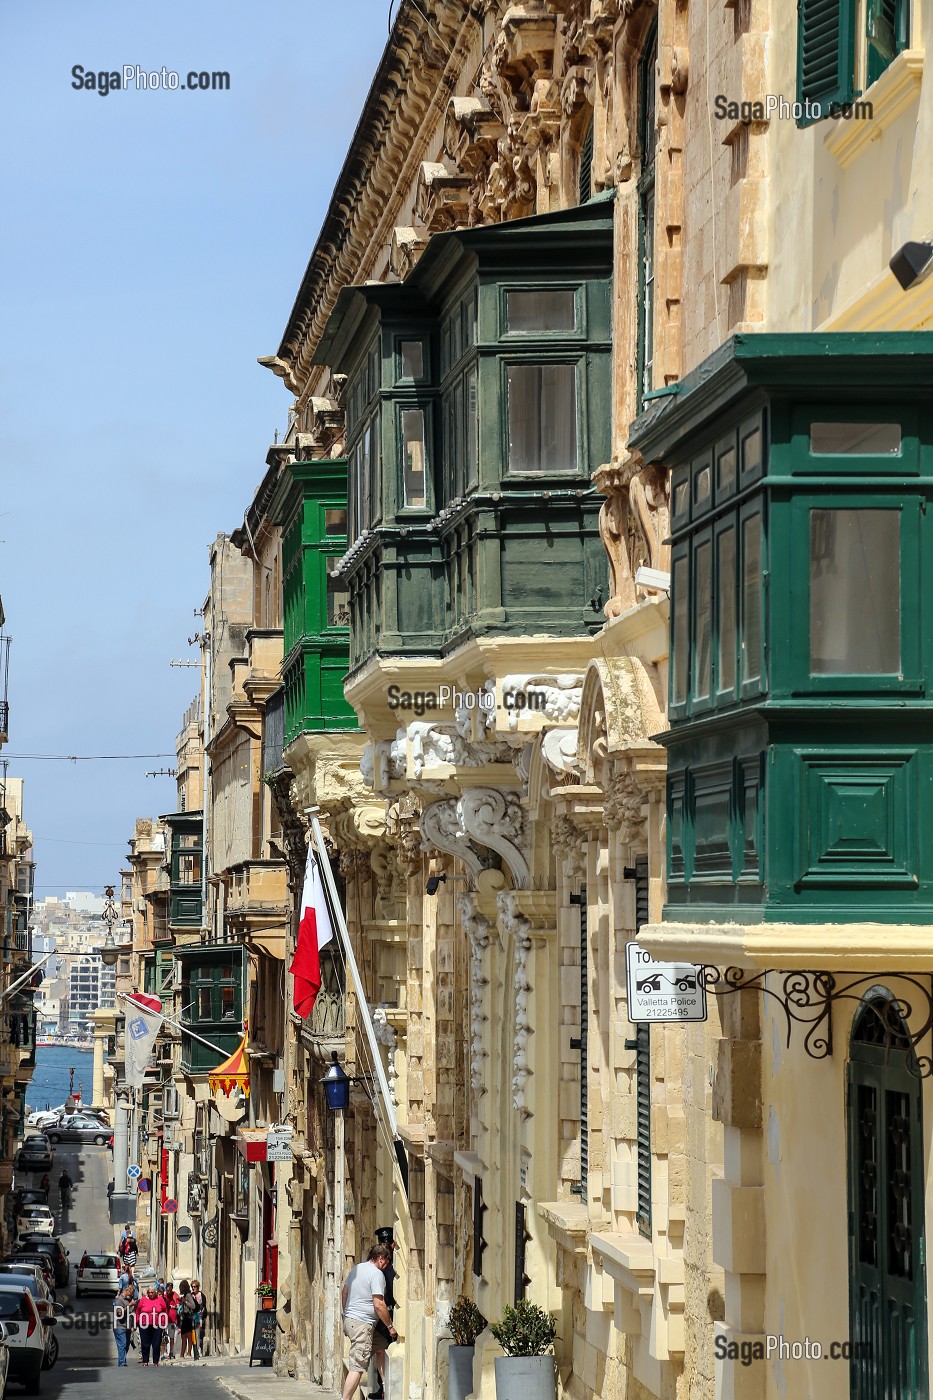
[526, 1378]
[459, 1372]
[267, 1304]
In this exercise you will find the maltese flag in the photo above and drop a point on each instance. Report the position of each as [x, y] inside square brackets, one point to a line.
[315, 931]
[143, 1023]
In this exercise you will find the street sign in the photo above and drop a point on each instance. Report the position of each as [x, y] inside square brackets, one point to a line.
[144, 1184]
[134, 1172]
[279, 1145]
[662, 991]
[183, 1234]
[169, 1206]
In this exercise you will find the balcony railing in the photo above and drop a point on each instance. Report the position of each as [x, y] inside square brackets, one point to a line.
[259, 889]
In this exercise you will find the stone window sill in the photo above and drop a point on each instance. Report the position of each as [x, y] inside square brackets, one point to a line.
[893, 92]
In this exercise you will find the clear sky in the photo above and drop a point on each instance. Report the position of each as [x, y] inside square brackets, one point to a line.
[151, 246]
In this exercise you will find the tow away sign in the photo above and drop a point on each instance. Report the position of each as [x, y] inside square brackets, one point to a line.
[660, 991]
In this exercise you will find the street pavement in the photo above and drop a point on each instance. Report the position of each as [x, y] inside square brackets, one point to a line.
[87, 1363]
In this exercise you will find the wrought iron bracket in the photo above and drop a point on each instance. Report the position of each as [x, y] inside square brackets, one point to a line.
[807, 1000]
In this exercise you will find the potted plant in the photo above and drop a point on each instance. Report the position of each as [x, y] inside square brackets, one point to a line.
[528, 1369]
[266, 1295]
[465, 1322]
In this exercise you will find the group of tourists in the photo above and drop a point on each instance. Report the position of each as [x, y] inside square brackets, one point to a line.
[159, 1319]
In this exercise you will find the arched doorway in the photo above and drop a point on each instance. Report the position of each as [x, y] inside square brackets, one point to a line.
[887, 1275]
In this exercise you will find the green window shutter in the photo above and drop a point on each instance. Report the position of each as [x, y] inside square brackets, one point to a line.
[887, 31]
[586, 166]
[825, 56]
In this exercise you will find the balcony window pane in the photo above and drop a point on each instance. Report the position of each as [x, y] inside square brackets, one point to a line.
[704, 612]
[338, 599]
[204, 1004]
[855, 439]
[472, 426]
[542, 418]
[228, 1003]
[542, 310]
[189, 869]
[679, 632]
[855, 592]
[413, 457]
[725, 659]
[412, 359]
[335, 522]
[751, 598]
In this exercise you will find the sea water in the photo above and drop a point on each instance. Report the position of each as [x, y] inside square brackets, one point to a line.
[50, 1078]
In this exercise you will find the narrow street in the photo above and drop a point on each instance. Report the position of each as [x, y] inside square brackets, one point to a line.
[87, 1358]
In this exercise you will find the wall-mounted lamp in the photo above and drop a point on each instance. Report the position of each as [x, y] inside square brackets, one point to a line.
[434, 882]
[912, 263]
[336, 1086]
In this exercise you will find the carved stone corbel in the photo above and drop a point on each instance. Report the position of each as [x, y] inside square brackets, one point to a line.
[569, 845]
[477, 928]
[496, 819]
[517, 925]
[441, 198]
[625, 809]
[405, 248]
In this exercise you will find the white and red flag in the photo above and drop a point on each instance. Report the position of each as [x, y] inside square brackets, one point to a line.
[143, 1023]
[315, 931]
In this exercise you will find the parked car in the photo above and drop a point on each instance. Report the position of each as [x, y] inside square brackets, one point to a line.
[53, 1249]
[80, 1128]
[28, 1338]
[98, 1273]
[30, 1276]
[26, 1259]
[36, 1154]
[4, 1359]
[35, 1220]
[44, 1118]
[29, 1197]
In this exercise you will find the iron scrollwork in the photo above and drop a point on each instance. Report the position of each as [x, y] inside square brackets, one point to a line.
[807, 1000]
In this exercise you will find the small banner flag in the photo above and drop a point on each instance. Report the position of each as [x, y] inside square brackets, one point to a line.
[315, 931]
[143, 1023]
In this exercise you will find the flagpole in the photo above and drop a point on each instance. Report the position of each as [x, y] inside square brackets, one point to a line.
[363, 1005]
[177, 1024]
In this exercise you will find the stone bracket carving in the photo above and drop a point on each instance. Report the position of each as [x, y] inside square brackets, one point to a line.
[385, 1035]
[484, 817]
[516, 924]
[478, 931]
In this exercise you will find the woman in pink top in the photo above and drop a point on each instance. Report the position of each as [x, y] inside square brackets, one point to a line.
[152, 1320]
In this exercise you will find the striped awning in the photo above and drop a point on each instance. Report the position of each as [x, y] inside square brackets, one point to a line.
[233, 1073]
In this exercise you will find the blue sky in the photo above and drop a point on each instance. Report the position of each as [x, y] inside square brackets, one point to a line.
[151, 247]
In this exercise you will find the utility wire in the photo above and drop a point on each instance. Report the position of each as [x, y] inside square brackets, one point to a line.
[81, 757]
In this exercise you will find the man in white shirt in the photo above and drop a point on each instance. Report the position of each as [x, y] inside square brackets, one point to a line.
[363, 1301]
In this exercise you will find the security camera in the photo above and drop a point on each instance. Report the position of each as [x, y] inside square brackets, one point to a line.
[912, 263]
[433, 882]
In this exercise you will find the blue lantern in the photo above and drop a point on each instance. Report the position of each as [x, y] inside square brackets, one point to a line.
[336, 1086]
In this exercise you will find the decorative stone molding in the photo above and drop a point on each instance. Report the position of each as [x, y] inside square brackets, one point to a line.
[625, 809]
[569, 845]
[478, 931]
[482, 817]
[562, 695]
[619, 710]
[406, 246]
[404, 831]
[353, 862]
[497, 819]
[559, 747]
[517, 925]
[633, 523]
[385, 1035]
[384, 762]
[436, 744]
[472, 131]
[441, 199]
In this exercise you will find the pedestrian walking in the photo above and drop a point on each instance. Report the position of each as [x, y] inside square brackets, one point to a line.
[362, 1299]
[127, 1250]
[171, 1331]
[202, 1318]
[65, 1184]
[187, 1312]
[123, 1323]
[152, 1320]
[128, 1280]
[381, 1338]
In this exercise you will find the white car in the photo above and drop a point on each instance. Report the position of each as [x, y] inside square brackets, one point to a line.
[98, 1273]
[28, 1340]
[35, 1220]
[30, 1276]
[4, 1359]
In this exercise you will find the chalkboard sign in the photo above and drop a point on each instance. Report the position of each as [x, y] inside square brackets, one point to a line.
[263, 1348]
